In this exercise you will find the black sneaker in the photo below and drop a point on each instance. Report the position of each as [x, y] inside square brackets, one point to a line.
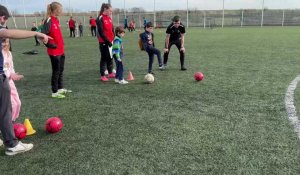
[183, 68]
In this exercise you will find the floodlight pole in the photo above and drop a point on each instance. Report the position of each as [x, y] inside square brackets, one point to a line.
[11, 14]
[46, 7]
[70, 11]
[223, 16]
[25, 20]
[187, 13]
[154, 19]
[124, 10]
[262, 13]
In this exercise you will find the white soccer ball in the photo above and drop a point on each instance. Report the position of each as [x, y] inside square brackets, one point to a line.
[149, 78]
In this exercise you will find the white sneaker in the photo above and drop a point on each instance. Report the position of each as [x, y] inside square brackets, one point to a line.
[117, 80]
[64, 91]
[19, 148]
[57, 95]
[162, 67]
[1, 142]
[123, 82]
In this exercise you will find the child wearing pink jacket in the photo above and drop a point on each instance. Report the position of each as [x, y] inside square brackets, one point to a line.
[12, 76]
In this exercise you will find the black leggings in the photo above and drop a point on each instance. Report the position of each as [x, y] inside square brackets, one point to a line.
[58, 64]
[105, 60]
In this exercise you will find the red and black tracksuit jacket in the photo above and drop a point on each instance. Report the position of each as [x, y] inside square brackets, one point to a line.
[52, 28]
[105, 29]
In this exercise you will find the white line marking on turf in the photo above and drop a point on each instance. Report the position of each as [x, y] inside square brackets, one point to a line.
[290, 105]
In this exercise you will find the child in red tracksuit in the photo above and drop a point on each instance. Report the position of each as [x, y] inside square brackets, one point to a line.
[105, 38]
[55, 49]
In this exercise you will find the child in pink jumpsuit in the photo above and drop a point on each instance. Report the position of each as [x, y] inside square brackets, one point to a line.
[12, 76]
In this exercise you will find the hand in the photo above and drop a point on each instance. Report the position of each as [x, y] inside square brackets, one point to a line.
[182, 49]
[16, 76]
[119, 59]
[166, 50]
[108, 43]
[52, 46]
[150, 42]
[43, 37]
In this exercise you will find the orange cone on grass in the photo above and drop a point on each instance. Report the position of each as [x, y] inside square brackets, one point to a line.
[130, 76]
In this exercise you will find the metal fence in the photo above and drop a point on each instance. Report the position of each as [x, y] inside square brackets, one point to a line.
[196, 18]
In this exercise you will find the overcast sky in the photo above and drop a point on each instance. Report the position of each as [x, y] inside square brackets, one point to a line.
[92, 5]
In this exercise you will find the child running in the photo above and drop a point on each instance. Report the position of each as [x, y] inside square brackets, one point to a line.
[12, 76]
[117, 51]
[148, 44]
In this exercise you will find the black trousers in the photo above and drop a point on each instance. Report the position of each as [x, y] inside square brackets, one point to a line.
[151, 52]
[72, 32]
[37, 43]
[93, 30]
[105, 60]
[58, 64]
[178, 45]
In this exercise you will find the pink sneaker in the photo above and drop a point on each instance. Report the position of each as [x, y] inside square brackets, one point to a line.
[111, 75]
[103, 78]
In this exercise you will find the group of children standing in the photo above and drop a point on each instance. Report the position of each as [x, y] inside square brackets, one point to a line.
[110, 46]
[175, 35]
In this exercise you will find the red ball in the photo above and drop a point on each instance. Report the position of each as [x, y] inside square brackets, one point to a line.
[198, 76]
[20, 130]
[53, 125]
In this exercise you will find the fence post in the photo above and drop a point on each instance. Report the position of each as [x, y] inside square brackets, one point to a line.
[118, 17]
[282, 18]
[262, 14]
[242, 22]
[223, 15]
[204, 21]
[84, 21]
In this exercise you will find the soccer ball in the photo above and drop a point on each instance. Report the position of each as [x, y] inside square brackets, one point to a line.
[20, 130]
[53, 125]
[198, 76]
[149, 78]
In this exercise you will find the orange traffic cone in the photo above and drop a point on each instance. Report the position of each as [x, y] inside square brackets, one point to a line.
[29, 128]
[130, 76]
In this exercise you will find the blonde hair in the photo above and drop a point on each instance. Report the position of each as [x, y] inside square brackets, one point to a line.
[52, 7]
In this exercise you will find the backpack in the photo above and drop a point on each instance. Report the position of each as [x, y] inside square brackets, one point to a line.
[140, 43]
